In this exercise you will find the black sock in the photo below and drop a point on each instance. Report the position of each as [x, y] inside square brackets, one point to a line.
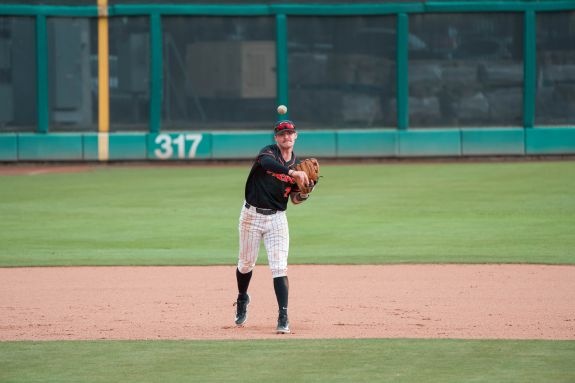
[243, 283]
[281, 287]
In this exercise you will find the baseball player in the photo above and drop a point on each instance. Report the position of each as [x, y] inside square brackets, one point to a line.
[272, 180]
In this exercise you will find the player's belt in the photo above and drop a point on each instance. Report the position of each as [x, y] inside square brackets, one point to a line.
[260, 210]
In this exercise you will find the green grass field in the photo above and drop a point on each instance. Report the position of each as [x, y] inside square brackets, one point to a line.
[368, 214]
[376, 213]
[368, 360]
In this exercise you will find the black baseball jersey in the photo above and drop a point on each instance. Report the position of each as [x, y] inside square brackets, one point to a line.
[268, 185]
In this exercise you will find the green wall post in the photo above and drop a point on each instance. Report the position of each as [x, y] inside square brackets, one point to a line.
[156, 72]
[402, 70]
[41, 74]
[282, 60]
[529, 70]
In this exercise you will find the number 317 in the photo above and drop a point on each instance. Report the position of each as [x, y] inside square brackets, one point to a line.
[168, 142]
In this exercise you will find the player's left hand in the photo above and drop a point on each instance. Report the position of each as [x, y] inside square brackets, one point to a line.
[310, 167]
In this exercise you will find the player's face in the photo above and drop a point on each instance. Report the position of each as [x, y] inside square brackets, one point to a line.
[286, 139]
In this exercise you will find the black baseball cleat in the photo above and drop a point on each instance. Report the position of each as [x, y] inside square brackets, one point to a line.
[283, 323]
[242, 310]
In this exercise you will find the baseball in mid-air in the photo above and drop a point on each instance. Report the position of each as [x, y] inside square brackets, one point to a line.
[282, 109]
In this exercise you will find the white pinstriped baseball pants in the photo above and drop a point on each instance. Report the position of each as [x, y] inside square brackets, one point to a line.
[274, 231]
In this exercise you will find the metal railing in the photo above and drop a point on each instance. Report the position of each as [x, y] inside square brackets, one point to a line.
[282, 12]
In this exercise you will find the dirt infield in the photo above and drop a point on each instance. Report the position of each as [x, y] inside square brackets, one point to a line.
[389, 301]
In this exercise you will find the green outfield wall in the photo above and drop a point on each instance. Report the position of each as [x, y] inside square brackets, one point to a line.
[421, 89]
[325, 144]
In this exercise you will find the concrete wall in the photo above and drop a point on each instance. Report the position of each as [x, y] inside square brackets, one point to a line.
[323, 144]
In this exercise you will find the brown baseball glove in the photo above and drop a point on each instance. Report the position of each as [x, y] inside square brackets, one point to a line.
[311, 167]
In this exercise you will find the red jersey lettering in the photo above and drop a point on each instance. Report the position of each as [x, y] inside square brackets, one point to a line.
[282, 177]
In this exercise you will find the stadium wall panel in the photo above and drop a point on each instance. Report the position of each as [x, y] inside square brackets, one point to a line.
[50, 147]
[429, 143]
[324, 144]
[90, 141]
[9, 147]
[504, 141]
[550, 141]
[366, 143]
[240, 145]
[128, 146]
[316, 144]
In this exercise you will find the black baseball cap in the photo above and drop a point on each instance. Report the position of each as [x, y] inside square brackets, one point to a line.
[284, 125]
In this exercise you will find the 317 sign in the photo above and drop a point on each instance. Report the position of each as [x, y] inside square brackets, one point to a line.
[184, 146]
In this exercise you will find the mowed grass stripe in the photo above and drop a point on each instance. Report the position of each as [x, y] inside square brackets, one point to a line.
[282, 360]
[359, 214]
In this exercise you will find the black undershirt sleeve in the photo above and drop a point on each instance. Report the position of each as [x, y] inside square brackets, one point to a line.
[269, 163]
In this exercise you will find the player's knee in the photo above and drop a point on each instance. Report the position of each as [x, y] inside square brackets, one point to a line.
[245, 268]
[279, 272]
